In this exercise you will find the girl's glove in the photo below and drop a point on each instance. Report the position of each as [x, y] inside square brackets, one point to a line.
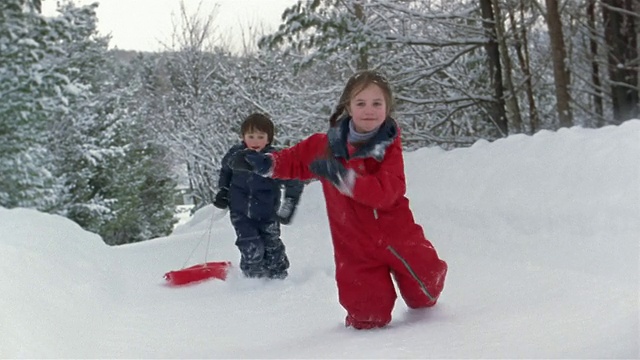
[249, 160]
[332, 170]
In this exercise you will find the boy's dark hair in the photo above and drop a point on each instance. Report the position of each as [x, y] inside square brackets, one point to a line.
[258, 122]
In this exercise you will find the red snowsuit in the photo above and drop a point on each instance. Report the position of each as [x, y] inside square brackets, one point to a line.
[373, 230]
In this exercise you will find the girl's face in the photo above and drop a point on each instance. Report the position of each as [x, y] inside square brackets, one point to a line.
[368, 108]
[255, 140]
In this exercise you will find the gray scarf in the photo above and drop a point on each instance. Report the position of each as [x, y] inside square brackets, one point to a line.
[355, 136]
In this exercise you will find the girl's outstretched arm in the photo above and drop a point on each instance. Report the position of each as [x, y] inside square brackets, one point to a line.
[293, 162]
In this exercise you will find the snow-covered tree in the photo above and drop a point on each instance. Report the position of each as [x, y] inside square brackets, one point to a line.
[33, 90]
[423, 48]
[189, 102]
[67, 122]
[114, 175]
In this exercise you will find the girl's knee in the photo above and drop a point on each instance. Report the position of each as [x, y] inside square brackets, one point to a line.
[424, 291]
[419, 303]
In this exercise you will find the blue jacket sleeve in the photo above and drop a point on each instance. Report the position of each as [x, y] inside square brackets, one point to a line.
[224, 179]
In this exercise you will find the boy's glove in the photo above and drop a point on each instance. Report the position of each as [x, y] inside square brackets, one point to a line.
[286, 211]
[249, 160]
[222, 199]
[332, 170]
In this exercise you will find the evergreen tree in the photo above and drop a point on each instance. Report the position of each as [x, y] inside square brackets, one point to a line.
[70, 139]
[34, 90]
[118, 183]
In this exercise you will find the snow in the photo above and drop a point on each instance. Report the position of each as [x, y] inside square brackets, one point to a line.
[541, 234]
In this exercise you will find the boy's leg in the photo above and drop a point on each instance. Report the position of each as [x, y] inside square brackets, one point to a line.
[275, 257]
[419, 273]
[251, 246]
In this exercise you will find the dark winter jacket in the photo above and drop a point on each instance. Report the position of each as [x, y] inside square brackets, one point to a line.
[252, 195]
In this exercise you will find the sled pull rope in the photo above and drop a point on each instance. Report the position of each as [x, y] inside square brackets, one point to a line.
[212, 219]
[206, 252]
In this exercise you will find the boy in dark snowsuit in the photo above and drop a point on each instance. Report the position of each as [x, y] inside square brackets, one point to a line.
[255, 205]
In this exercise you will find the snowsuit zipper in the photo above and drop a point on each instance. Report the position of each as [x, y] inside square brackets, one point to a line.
[250, 198]
[404, 262]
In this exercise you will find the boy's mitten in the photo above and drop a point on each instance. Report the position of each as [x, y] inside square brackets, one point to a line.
[222, 199]
[286, 211]
[332, 170]
[249, 160]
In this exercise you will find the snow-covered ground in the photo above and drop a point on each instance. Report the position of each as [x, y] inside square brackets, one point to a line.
[541, 234]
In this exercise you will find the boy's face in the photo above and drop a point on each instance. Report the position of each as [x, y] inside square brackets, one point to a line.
[255, 139]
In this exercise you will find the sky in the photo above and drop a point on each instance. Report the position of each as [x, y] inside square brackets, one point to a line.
[541, 235]
[145, 25]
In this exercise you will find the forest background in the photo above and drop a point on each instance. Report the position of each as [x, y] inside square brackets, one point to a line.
[108, 138]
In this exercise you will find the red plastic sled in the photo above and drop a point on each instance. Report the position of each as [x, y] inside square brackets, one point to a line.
[200, 272]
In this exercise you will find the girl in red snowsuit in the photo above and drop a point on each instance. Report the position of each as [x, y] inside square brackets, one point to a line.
[360, 165]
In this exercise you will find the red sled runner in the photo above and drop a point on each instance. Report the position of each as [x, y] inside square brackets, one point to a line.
[200, 272]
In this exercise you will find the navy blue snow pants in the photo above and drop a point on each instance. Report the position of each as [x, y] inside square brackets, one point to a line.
[262, 252]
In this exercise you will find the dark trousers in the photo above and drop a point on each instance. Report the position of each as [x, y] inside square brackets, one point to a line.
[262, 253]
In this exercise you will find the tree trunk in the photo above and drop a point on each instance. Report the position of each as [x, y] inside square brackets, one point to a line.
[522, 51]
[595, 68]
[560, 70]
[514, 117]
[497, 111]
[363, 58]
[621, 38]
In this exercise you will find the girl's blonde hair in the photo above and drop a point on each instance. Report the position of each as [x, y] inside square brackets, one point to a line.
[358, 82]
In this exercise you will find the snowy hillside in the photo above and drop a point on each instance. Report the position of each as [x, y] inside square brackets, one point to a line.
[541, 234]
